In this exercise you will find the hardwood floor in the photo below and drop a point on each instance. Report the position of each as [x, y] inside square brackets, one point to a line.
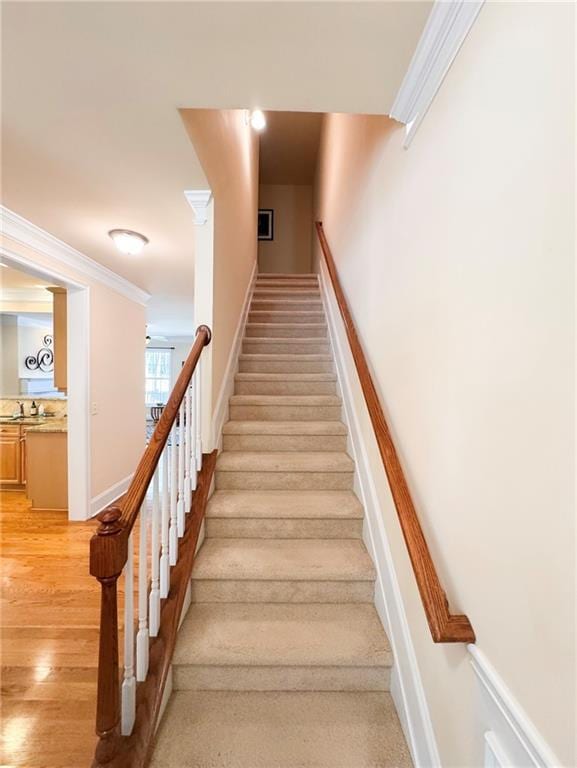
[49, 634]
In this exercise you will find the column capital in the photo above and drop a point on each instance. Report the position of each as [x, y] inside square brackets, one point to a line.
[199, 200]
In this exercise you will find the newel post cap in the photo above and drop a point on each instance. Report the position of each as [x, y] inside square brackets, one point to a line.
[109, 545]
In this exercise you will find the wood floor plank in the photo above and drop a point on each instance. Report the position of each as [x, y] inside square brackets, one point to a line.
[49, 638]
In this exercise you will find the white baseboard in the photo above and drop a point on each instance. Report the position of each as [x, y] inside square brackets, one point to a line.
[100, 502]
[220, 411]
[406, 685]
[512, 738]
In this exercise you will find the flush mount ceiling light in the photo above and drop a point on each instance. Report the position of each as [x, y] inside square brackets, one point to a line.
[258, 120]
[127, 241]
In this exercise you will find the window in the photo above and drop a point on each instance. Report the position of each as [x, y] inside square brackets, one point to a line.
[157, 375]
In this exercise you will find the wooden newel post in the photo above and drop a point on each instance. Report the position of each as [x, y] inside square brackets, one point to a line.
[108, 555]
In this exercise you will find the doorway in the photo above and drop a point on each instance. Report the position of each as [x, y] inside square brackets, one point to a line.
[44, 390]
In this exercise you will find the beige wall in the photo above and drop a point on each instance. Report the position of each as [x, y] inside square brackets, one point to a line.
[118, 329]
[227, 148]
[457, 259]
[290, 251]
[116, 375]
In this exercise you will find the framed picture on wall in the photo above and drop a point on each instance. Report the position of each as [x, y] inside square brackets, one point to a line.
[266, 224]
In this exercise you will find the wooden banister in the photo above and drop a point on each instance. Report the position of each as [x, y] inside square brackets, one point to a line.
[109, 554]
[445, 627]
[136, 492]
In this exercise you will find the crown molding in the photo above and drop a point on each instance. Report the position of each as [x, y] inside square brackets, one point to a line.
[199, 200]
[26, 233]
[447, 27]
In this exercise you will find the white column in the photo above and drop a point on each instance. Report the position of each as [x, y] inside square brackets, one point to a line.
[203, 205]
[129, 680]
[164, 528]
[154, 600]
[181, 509]
[142, 635]
[173, 530]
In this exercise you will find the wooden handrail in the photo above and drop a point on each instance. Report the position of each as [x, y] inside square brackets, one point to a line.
[134, 496]
[445, 627]
[108, 557]
[135, 751]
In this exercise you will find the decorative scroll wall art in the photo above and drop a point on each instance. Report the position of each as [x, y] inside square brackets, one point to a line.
[43, 360]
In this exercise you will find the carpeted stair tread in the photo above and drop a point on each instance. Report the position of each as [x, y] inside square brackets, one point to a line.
[224, 729]
[283, 559]
[285, 504]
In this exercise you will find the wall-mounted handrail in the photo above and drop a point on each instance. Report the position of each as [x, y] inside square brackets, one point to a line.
[445, 627]
[167, 497]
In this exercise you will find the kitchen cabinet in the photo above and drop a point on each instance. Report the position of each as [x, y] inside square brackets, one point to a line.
[10, 456]
[47, 469]
[23, 431]
[60, 333]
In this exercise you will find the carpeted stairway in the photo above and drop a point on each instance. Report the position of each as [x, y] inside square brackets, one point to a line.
[282, 661]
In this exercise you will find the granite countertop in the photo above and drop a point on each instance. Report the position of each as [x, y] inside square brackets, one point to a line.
[50, 425]
[38, 423]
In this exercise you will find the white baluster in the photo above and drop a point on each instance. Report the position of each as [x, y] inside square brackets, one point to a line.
[186, 441]
[180, 507]
[173, 531]
[142, 634]
[164, 528]
[154, 599]
[192, 433]
[198, 419]
[129, 681]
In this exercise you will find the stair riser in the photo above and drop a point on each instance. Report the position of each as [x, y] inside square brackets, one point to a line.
[285, 412]
[285, 442]
[285, 366]
[287, 284]
[275, 347]
[251, 678]
[286, 294]
[285, 388]
[270, 528]
[280, 305]
[246, 591]
[284, 481]
[278, 331]
[286, 317]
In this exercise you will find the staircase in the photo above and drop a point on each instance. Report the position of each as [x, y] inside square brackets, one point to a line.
[282, 661]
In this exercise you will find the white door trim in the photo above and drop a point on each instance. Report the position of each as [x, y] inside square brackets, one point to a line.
[78, 404]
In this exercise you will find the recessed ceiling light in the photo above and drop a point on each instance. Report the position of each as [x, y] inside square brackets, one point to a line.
[127, 241]
[258, 120]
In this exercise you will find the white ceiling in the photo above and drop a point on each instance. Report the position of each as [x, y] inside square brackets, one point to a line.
[91, 134]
